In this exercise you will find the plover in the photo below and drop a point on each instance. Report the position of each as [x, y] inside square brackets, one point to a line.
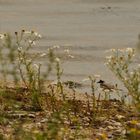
[106, 86]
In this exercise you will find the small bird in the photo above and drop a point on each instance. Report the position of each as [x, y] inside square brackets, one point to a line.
[106, 86]
[72, 84]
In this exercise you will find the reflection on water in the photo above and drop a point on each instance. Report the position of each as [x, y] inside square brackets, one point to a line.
[90, 27]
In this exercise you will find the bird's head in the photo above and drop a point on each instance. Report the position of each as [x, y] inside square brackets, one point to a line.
[101, 81]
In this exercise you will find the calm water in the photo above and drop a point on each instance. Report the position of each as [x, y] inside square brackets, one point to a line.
[86, 27]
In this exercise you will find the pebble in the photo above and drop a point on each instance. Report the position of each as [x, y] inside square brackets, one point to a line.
[124, 132]
[110, 136]
[44, 120]
[31, 115]
[117, 124]
[118, 132]
[108, 122]
[119, 117]
[110, 127]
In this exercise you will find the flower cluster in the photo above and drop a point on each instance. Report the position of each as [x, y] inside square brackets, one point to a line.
[119, 62]
[120, 58]
[2, 36]
[29, 37]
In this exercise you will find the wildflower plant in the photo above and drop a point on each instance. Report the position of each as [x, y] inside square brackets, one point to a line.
[26, 61]
[119, 63]
[20, 64]
[59, 74]
[92, 106]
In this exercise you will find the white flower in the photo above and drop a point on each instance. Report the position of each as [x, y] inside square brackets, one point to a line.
[129, 50]
[112, 50]
[56, 47]
[32, 42]
[36, 66]
[126, 79]
[109, 57]
[133, 55]
[57, 59]
[19, 48]
[43, 54]
[67, 51]
[27, 32]
[34, 33]
[37, 35]
[71, 56]
[1, 36]
[106, 63]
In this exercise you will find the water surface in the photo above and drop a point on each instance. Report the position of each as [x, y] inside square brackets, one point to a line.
[87, 27]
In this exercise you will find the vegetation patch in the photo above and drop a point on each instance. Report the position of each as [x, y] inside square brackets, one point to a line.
[35, 108]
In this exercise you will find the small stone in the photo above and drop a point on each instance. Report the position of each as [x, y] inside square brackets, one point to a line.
[124, 132]
[101, 119]
[38, 124]
[101, 129]
[112, 121]
[44, 120]
[117, 124]
[119, 117]
[108, 122]
[31, 115]
[118, 132]
[110, 127]
[110, 136]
